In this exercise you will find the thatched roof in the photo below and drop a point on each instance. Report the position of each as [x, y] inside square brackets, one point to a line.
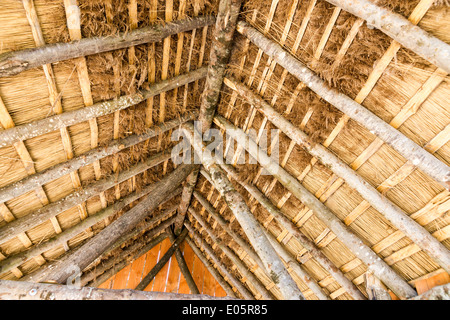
[393, 82]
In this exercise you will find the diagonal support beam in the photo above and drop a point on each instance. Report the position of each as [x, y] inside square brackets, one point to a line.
[425, 161]
[390, 211]
[348, 238]
[273, 265]
[98, 244]
[227, 15]
[162, 262]
[400, 29]
[14, 62]
[182, 264]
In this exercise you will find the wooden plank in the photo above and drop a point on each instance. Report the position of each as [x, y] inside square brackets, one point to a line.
[426, 284]
[174, 275]
[198, 273]
[151, 260]
[161, 277]
[121, 279]
[189, 258]
[137, 268]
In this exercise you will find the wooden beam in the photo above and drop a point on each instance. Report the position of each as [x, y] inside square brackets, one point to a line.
[377, 200]
[290, 226]
[93, 248]
[186, 199]
[405, 146]
[401, 30]
[222, 282]
[14, 290]
[14, 62]
[348, 238]
[182, 264]
[236, 203]
[41, 215]
[162, 262]
[53, 123]
[232, 256]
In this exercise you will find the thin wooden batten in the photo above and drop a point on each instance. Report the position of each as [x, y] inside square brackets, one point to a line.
[390, 211]
[406, 147]
[348, 238]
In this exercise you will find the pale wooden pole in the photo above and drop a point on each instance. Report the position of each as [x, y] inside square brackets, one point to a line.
[400, 29]
[58, 121]
[19, 290]
[95, 246]
[209, 251]
[14, 62]
[418, 234]
[162, 262]
[398, 141]
[273, 265]
[182, 264]
[227, 14]
[309, 245]
[380, 268]
[12, 229]
[222, 282]
[243, 269]
[32, 182]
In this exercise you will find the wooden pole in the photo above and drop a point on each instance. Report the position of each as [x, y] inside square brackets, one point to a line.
[162, 262]
[286, 223]
[182, 264]
[58, 121]
[43, 214]
[95, 246]
[224, 224]
[222, 282]
[14, 62]
[15, 290]
[292, 263]
[418, 234]
[16, 260]
[273, 265]
[220, 53]
[57, 171]
[403, 145]
[348, 238]
[400, 29]
[113, 265]
[436, 293]
[239, 265]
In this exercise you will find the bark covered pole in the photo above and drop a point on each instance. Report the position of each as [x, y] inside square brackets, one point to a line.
[15, 290]
[309, 245]
[243, 269]
[57, 171]
[183, 266]
[418, 234]
[422, 159]
[273, 265]
[222, 282]
[219, 56]
[209, 251]
[14, 62]
[162, 262]
[380, 268]
[93, 248]
[400, 29]
[58, 121]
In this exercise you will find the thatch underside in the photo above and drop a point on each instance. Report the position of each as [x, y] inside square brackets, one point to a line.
[394, 83]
